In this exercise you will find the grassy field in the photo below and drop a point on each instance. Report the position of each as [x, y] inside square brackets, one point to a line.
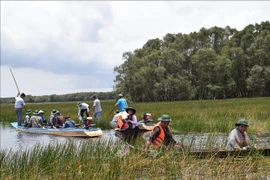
[213, 116]
[105, 160]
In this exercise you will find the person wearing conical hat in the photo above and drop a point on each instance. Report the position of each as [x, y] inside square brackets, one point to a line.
[83, 108]
[161, 134]
[27, 117]
[35, 120]
[238, 138]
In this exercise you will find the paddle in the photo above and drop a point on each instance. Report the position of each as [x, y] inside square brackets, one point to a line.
[16, 85]
[110, 113]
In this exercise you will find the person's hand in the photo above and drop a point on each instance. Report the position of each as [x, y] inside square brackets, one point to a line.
[244, 148]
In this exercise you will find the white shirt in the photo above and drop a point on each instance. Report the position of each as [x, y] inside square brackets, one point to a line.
[97, 105]
[233, 136]
[83, 106]
[19, 102]
[115, 117]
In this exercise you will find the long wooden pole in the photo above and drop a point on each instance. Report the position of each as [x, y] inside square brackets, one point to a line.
[14, 80]
[16, 85]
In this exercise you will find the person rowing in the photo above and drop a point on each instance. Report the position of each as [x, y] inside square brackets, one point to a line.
[238, 138]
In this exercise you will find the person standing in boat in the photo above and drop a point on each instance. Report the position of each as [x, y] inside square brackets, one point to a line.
[96, 107]
[19, 103]
[122, 103]
[35, 120]
[161, 134]
[238, 138]
[83, 108]
[27, 117]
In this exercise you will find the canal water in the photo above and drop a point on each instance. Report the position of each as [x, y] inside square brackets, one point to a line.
[12, 139]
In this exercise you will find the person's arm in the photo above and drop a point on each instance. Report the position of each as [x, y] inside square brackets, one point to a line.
[79, 111]
[94, 105]
[18, 94]
[152, 137]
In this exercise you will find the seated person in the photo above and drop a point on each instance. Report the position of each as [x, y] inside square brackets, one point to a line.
[130, 122]
[161, 134]
[146, 118]
[41, 113]
[238, 138]
[115, 117]
[27, 117]
[53, 121]
[35, 120]
[69, 123]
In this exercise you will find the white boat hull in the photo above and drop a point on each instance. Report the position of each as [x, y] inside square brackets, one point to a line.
[75, 132]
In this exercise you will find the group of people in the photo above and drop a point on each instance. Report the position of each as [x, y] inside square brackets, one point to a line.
[84, 108]
[126, 119]
[56, 120]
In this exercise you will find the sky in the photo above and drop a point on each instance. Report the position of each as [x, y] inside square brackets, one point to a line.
[60, 47]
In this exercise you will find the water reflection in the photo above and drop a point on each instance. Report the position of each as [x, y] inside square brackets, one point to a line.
[12, 139]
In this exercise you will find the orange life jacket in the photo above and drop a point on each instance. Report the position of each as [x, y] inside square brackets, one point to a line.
[121, 123]
[158, 140]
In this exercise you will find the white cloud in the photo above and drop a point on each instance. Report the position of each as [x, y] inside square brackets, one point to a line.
[94, 35]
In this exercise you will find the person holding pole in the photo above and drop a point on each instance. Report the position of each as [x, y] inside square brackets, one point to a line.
[122, 103]
[19, 103]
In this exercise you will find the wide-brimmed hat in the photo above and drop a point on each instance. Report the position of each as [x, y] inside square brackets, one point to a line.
[165, 117]
[40, 111]
[36, 112]
[116, 112]
[242, 122]
[54, 111]
[29, 111]
[79, 104]
[132, 109]
[120, 95]
[89, 118]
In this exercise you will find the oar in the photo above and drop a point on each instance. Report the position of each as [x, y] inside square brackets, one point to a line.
[110, 113]
[16, 84]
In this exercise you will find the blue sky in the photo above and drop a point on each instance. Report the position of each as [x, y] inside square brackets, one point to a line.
[59, 47]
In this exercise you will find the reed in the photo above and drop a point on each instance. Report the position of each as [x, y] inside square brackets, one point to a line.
[102, 160]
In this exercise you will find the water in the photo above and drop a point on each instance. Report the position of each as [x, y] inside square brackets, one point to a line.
[11, 139]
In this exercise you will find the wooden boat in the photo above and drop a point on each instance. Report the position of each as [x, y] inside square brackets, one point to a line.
[234, 153]
[76, 132]
[146, 126]
[141, 125]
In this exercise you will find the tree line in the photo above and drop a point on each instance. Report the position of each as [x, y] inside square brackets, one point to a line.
[215, 63]
[82, 96]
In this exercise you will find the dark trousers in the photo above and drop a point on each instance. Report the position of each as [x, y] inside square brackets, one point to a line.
[82, 112]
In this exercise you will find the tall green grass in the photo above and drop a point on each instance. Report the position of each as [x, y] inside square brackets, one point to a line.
[101, 160]
[188, 116]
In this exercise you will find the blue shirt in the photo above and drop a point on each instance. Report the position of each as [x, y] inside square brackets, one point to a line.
[121, 103]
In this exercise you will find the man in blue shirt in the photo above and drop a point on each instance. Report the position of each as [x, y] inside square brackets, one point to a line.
[121, 103]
